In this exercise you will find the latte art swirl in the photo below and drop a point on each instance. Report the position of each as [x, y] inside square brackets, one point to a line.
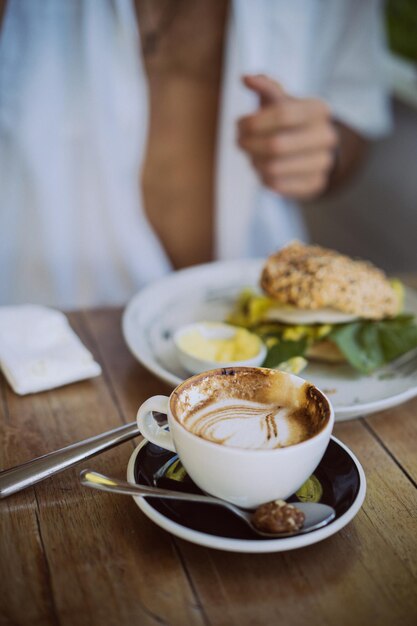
[249, 425]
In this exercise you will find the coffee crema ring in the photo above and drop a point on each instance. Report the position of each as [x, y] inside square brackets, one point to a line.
[250, 408]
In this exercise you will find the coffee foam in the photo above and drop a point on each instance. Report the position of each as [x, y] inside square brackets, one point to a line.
[244, 424]
[248, 408]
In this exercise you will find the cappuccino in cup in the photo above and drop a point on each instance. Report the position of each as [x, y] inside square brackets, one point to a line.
[254, 409]
[247, 435]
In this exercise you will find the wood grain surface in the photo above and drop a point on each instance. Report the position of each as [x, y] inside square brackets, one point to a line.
[73, 556]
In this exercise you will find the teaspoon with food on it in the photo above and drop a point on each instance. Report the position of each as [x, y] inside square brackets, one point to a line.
[273, 519]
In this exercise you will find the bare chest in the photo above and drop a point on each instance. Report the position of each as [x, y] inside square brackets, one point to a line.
[183, 64]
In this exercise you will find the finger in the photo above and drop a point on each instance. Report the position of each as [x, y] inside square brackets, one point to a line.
[287, 142]
[298, 187]
[308, 163]
[287, 113]
[268, 90]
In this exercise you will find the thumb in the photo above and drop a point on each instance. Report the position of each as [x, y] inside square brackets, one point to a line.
[268, 90]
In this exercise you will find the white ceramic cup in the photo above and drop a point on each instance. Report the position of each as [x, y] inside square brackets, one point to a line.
[244, 476]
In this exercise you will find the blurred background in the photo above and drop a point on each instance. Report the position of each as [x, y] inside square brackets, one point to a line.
[90, 125]
[377, 212]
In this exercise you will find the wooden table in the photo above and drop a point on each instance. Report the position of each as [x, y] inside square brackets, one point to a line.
[73, 556]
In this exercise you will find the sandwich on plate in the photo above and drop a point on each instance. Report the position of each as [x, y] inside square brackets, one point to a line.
[317, 304]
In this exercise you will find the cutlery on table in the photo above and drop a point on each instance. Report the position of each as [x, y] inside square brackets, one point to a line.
[29, 473]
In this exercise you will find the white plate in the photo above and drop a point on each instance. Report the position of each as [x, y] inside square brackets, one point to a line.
[208, 292]
[346, 493]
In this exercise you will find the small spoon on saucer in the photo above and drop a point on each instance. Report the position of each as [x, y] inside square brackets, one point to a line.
[316, 514]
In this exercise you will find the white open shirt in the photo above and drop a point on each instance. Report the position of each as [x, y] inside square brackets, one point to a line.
[73, 129]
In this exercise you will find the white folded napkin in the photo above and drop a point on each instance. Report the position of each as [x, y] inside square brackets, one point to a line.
[39, 350]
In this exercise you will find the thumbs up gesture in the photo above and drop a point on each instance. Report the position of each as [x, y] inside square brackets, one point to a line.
[291, 142]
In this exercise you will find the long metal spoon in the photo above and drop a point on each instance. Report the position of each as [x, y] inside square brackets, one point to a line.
[316, 514]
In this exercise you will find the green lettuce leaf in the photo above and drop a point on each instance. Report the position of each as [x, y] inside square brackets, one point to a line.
[284, 350]
[368, 345]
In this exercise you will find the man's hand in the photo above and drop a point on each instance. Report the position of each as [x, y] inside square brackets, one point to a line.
[291, 142]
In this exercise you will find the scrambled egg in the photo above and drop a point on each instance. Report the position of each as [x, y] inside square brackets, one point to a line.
[398, 287]
[293, 366]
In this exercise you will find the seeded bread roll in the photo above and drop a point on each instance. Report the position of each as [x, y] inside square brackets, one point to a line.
[311, 277]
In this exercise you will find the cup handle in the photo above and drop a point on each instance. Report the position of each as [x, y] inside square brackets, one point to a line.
[148, 426]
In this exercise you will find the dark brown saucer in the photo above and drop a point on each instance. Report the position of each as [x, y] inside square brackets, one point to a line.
[337, 474]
